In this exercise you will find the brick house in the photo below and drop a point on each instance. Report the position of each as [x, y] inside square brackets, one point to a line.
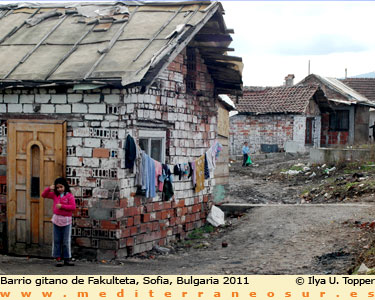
[366, 87]
[276, 119]
[345, 113]
[75, 81]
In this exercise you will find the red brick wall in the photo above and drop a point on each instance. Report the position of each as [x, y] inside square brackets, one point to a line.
[329, 138]
[257, 130]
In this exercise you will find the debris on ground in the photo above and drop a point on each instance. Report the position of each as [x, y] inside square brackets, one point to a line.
[345, 182]
[216, 216]
[363, 269]
[161, 250]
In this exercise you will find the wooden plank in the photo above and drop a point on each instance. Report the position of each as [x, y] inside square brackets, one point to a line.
[11, 180]
[102, 27]
[213, 38]
[209, 49]
[209, 58]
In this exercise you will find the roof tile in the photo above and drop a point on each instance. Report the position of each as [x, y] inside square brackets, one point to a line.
[364, 86]
[276, 99]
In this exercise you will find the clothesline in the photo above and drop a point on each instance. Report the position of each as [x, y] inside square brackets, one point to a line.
[151, 173]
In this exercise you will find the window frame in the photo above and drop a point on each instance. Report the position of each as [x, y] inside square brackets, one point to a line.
[335, 120]
[154, 135]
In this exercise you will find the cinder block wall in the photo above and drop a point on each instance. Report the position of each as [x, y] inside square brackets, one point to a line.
[111, 220]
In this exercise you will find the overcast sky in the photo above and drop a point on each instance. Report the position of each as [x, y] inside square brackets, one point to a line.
[276, 38]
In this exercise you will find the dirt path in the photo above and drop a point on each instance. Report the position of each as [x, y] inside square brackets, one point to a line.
[272, 239]
[303, 239]
[254, 185]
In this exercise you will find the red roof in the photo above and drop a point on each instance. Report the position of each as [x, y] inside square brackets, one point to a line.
[364, 86]
[294, 99]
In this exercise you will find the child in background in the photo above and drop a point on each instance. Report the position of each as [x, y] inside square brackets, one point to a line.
[245, 153]
[63, 206]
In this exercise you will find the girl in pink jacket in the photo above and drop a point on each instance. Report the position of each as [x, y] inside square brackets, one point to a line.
[64, 205]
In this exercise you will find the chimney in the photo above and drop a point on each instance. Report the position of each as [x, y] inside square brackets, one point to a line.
[289, 80]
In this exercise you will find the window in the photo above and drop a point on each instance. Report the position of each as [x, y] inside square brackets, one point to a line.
[153, 143]
[339, 120]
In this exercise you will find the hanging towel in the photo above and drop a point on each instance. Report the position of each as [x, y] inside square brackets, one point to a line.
[199, 171]
[150, 182]
[130, 152]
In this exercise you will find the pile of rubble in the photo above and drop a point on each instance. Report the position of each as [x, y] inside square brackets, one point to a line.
[354, 182]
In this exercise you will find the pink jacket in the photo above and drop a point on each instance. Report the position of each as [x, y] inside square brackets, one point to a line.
[68, 203]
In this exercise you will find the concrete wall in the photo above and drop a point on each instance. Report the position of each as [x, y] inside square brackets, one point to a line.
[371, 122]
[361, 124]
[335, 155]
[111, 220]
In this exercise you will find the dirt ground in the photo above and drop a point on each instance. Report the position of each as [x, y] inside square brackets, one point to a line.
[299, 225]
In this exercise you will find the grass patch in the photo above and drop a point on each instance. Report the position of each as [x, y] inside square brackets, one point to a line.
[199, 232]
[351, 184]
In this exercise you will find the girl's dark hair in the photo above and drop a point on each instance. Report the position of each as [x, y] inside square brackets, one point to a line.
[63, 182]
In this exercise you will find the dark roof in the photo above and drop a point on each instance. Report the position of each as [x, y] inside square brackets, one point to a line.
[294, 99]
[364, 86]
[118, 43]
[337, 91]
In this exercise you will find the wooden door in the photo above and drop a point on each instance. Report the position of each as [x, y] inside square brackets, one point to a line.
[36, 157]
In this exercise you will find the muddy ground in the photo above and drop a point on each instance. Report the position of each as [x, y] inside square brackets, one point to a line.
[300, 224]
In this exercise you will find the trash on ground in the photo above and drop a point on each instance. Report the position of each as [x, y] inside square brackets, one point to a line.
[216, 216]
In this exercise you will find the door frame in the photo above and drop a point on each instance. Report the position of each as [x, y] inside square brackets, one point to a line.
[30, 249]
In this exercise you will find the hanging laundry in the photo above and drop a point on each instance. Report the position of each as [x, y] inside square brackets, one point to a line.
[167, 183]
[211, 158]
[138, 167]
[158, 173]
[199, 172]
[167, 190]
[150, 184]
[190, 170]
[206, 170]
[130, 152]
[177, 171]
[193, 175]
[148, 176]
[185, 169]
[217, 149]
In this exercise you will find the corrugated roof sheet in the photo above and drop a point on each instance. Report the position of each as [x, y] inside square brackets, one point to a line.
[350, 95]
[121, 42]
[343, 89]
[282, 99]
